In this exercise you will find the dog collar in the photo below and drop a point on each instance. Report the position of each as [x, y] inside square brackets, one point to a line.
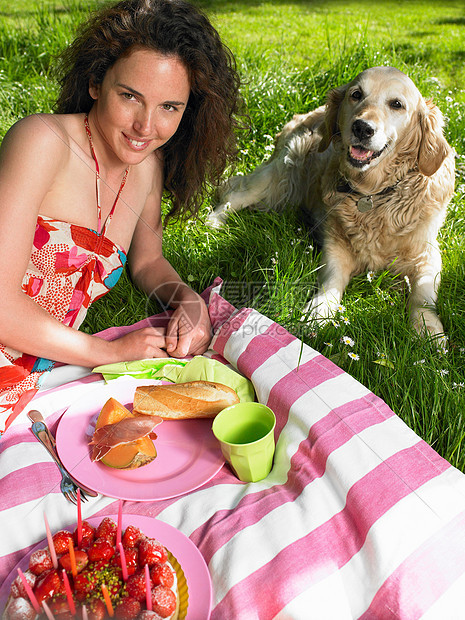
[365, 202]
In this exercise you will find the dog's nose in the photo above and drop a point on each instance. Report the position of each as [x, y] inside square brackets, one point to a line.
[362, 129]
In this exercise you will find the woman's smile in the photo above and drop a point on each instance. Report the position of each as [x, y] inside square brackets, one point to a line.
[137, 144]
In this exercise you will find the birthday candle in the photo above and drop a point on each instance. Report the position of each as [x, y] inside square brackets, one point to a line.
[106, 596]
[69, 595]
[79, 518]
[48, 613]
[72, 558]
[51, 546]
[29, 591]
[124, 567]
[120, 519]
[148, 589]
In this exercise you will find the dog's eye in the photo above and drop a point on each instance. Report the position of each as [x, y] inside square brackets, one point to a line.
[396, 104]
[357, 95]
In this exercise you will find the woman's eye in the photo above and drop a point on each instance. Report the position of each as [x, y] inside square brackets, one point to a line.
[128, 96]
[396, 104]
[169, 107]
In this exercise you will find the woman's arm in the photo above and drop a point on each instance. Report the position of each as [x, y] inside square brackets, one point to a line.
[30, 159]
[189, 329]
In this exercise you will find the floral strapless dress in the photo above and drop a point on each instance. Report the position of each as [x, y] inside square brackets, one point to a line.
[70, 267]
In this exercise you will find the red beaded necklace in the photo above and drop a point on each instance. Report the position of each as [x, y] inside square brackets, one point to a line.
[97, 182]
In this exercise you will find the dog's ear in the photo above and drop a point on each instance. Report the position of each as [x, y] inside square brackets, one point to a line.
[331, 125]
[433, 146]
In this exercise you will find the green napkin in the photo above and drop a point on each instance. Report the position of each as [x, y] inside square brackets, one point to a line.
[199, 368]
[165, 368]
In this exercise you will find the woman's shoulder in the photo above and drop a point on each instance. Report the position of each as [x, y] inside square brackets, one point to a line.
[49, 134]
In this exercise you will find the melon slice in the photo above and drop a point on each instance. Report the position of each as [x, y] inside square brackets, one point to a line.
[129, 455]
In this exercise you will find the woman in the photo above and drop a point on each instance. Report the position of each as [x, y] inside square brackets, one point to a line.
[147, 105]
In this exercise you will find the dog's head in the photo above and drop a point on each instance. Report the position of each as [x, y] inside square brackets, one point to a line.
[379, 118]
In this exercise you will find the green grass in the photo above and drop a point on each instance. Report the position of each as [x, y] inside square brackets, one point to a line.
[290, 54]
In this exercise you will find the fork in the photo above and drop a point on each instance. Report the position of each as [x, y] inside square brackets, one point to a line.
[68, 484]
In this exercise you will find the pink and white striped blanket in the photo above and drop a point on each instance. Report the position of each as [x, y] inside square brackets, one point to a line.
[359, 518]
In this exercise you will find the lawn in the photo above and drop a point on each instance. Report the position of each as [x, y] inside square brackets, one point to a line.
[289, 55]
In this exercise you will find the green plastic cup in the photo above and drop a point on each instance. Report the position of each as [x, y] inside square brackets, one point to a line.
[246, 435]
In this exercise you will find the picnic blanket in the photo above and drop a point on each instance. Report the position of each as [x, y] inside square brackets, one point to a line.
[359, 517]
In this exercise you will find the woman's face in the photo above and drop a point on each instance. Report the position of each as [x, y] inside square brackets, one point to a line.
[139, 104]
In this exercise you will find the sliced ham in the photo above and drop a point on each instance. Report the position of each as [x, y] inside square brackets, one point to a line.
[127, 430]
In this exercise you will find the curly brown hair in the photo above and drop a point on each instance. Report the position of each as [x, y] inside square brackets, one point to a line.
[204, 144]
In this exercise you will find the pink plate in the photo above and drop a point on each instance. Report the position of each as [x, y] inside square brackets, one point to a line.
[189, 557]
[188, 455]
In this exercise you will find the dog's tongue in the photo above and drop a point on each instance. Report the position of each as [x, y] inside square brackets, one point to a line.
[357, 152]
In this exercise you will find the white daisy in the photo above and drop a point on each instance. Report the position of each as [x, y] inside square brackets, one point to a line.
[348, 341]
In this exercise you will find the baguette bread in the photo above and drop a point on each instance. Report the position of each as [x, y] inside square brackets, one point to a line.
[194, 399]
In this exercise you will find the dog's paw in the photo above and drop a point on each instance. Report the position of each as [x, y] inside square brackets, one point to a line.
[427, 323]
[219, 216]
[320, 309]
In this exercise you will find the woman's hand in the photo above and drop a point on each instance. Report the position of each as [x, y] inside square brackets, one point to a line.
[145, 343]
[189, 329]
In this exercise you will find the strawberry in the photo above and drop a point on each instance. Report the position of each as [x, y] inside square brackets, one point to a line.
[85, 543]
[163, 601]
[88, 582]
[131, 560]
[40, 561]
[131, 536]
[84, 584]
[149, 615]
[151, 551]
[19, 609]
[107, 529]
[48, 585]
[80, 557]
[101, 549]
[59, 605]
[135, 586]
[61, 541]
[88, 535]
[96, 609]
[99, 565]
[128, 609]
[17, 589]
[115, 586]
[161, 574]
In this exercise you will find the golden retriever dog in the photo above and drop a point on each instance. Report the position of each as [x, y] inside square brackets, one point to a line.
[375, 172]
